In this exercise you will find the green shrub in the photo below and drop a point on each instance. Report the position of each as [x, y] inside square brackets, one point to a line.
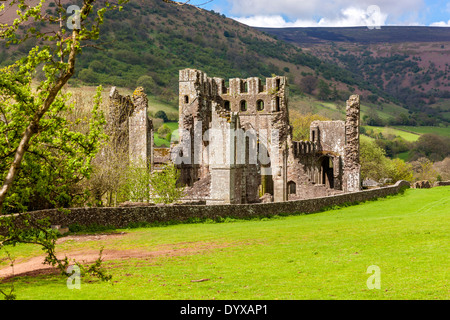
[162, 115]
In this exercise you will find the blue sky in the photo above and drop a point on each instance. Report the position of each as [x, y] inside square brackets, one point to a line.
[310, 13]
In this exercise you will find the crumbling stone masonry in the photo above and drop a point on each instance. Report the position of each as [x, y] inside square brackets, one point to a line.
[352, 168]
[236, 142]
[129, 127]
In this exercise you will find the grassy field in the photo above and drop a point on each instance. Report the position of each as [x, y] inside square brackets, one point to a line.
[408, 136]
[336, 110]
[86, 93]
[441, 131]
[318, 256]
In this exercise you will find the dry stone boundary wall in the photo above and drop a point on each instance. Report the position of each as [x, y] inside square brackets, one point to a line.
[121, 217]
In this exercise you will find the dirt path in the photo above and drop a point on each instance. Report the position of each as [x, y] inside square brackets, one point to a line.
[34, 266]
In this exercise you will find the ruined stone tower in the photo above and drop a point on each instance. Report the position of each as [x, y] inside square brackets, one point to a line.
[222, 129]
[237, 140]
[130, 129]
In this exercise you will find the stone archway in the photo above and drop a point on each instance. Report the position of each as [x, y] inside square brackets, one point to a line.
[291, 187]
[327, 172]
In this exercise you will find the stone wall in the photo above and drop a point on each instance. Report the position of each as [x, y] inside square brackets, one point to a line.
[120, 217]
[441, 183]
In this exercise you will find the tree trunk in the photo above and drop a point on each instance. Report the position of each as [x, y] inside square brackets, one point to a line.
[33, 127]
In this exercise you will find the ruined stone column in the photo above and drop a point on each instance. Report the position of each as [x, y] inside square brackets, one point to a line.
[140, 131]
[352, 167]
[225, 180]
[120, 109]
[280, 178]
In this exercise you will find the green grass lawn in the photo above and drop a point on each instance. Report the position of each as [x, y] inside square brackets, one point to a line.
[318, 256]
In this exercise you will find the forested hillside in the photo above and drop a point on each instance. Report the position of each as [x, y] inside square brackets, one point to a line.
[149, 41]
[410, 64]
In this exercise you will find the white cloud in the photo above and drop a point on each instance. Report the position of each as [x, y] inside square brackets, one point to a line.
[349, 17]
[274, 22]
[298, 11]
[441, 24]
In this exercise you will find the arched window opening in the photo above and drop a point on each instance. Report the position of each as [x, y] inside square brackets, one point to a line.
[277, 104]
[244, 87]
[292, 187]
[243, 105]
[260, 105]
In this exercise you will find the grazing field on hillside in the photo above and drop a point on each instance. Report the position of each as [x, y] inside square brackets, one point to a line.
[385, 131]
[317, 256]
[87, 93]
[441, 131]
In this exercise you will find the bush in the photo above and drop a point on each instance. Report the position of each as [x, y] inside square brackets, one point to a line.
[147, 83]
[400, 170]
[97, 66]
[431, 146]
[161, 115]
[164, 131]
[373, 98]
[137, 185]
[88, 76]
[424, 170]
[301, 124]
[308, 84]
[375, 165]
[164, 185]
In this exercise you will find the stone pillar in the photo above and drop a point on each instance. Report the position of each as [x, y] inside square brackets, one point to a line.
[194, 88]
[225, 178]
[352, 167]
[120, 109]
[140, 131]
[280, 179]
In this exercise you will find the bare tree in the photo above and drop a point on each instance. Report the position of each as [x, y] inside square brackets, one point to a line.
[308, 84]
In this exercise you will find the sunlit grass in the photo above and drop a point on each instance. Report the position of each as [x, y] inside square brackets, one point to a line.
[317, 256]
[408, 136]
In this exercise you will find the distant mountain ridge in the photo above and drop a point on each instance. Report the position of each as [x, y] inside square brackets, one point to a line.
[364, 35]
[411, 64]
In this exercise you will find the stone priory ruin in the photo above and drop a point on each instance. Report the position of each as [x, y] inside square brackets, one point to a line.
[235, 142]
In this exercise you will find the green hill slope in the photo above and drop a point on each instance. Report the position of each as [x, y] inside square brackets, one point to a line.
[410, 64]
[155, 39]
[148, 42]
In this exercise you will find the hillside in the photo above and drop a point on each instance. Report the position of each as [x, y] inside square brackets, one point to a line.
[386, 34]
[410, 64]
[148, 42]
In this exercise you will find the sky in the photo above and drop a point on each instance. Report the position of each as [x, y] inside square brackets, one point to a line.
[333, 13]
